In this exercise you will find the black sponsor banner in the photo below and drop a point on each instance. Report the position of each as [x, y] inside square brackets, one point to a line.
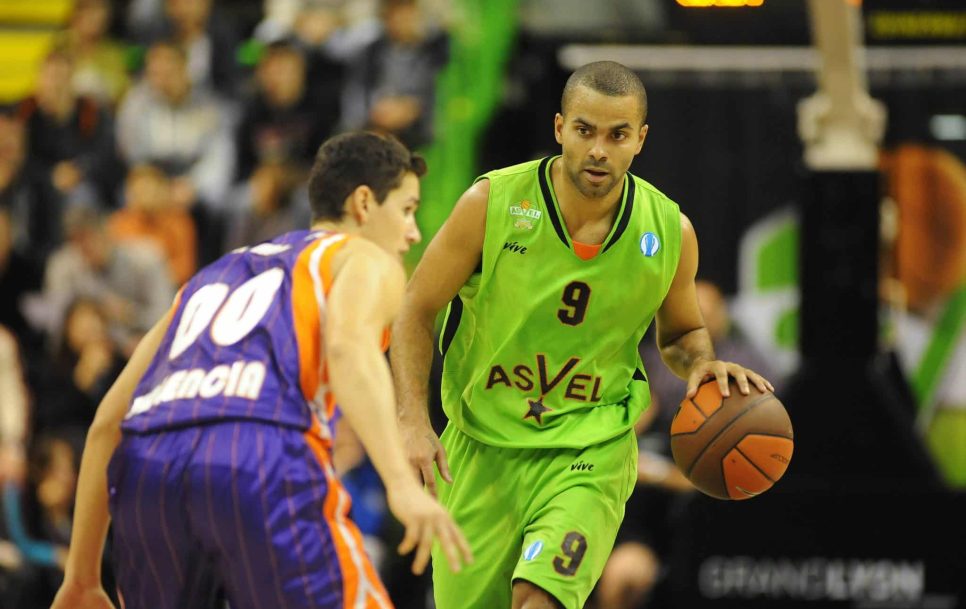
[822, 549]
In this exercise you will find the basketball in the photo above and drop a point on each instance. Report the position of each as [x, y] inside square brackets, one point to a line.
[733, 447]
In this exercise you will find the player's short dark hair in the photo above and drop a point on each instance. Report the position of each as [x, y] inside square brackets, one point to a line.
[609, 78]
[359, 158]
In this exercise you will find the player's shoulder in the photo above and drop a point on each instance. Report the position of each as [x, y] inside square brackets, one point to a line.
[646, 188]
[360, 255]
[512, 170]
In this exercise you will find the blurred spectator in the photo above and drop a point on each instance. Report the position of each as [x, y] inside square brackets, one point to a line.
[184, 130]
[149, 214]
[37, 519]
[19, 278]
[101, 70]
[128, 279]
[339, 28]
[282, 122]
[84, 366]
[15, 412]
[636, 566]
[53, 474]
[166, 121]
[71, 146]
[14, 423]
[207, 34]
[274, 200]
[18, 192]
[392, 83]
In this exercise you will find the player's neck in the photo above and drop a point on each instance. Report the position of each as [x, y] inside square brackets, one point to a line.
[583, 214]
[346, 227]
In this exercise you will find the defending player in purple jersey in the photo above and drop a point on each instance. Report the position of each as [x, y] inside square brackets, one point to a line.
[212, 451]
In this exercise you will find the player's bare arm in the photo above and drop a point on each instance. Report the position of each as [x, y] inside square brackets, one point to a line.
[447, 263]
[685, 343]
[82, 577]
[365, 297]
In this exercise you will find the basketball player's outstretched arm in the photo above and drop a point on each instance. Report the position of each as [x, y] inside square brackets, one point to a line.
[364, 298]
[447, 263]
[685, 343]
[81, 588]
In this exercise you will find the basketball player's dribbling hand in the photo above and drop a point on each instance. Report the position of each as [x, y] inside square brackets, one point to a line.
[720, 371]
[424, 448]
[75, 596]
[426, 521]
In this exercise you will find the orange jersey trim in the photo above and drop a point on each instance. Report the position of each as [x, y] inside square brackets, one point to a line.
[359, 577]
[311, 282]
[586, 251]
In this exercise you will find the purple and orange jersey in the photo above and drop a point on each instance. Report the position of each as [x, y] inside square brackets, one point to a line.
[224, 477]
[246, 342]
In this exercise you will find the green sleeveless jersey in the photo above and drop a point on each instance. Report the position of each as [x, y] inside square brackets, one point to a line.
[540, 347]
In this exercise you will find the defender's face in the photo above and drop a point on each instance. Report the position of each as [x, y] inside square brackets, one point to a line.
[600, 135]
[392, 224]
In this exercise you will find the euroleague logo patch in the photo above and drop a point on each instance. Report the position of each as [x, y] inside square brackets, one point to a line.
[650, 244]
[533, 550]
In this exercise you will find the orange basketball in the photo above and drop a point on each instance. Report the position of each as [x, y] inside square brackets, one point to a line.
[735, 447]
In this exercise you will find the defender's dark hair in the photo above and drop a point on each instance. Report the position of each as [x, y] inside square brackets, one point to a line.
[609, 78]
[360, 158]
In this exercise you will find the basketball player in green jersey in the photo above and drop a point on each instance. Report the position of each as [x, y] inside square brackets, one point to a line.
[553, 270]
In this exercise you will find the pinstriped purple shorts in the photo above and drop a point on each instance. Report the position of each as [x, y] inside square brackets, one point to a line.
[249, 507]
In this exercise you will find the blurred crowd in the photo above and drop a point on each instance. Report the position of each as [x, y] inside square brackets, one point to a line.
[163, 133]
[160, 134]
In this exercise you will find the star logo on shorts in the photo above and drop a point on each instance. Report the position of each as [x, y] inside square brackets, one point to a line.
[536, 410]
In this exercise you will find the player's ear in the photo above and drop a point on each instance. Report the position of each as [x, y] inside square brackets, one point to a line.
[558, 123]
[359, 203]
[641, 135]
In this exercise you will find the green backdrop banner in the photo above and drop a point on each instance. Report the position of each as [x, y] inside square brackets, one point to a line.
[468, 91]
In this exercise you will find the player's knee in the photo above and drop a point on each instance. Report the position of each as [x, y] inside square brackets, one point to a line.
[631, 566]
[530, 596]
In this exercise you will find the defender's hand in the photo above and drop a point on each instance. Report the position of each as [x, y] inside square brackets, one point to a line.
[426, 521]
[424, 448]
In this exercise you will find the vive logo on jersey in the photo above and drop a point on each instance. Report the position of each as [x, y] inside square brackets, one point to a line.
[650, 244]
[582, 466]
[514, 246]
[525, 215]
[533, 550]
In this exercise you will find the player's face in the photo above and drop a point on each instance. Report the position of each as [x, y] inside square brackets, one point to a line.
[392, 224]
[600, 135]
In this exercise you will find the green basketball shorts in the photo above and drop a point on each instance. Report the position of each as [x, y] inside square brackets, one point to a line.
[547, 516]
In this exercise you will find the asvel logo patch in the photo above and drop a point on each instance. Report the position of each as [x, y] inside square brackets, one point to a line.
[650, 244]
[533, 550]
[524, 208]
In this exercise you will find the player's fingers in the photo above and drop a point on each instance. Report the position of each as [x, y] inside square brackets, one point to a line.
[426, 471]
[409, 540]
[694, 381]
[742, 379]
[463, 544]
[443, 464]
[450, 547]
[721, 375]
[423, 549]
[760, 382]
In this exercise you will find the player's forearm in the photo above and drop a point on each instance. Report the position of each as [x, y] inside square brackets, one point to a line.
[91, 517]
[682, 353]
[362, 385]
[411, 354]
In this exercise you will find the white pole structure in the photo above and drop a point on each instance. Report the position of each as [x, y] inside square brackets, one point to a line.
[840, 125]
